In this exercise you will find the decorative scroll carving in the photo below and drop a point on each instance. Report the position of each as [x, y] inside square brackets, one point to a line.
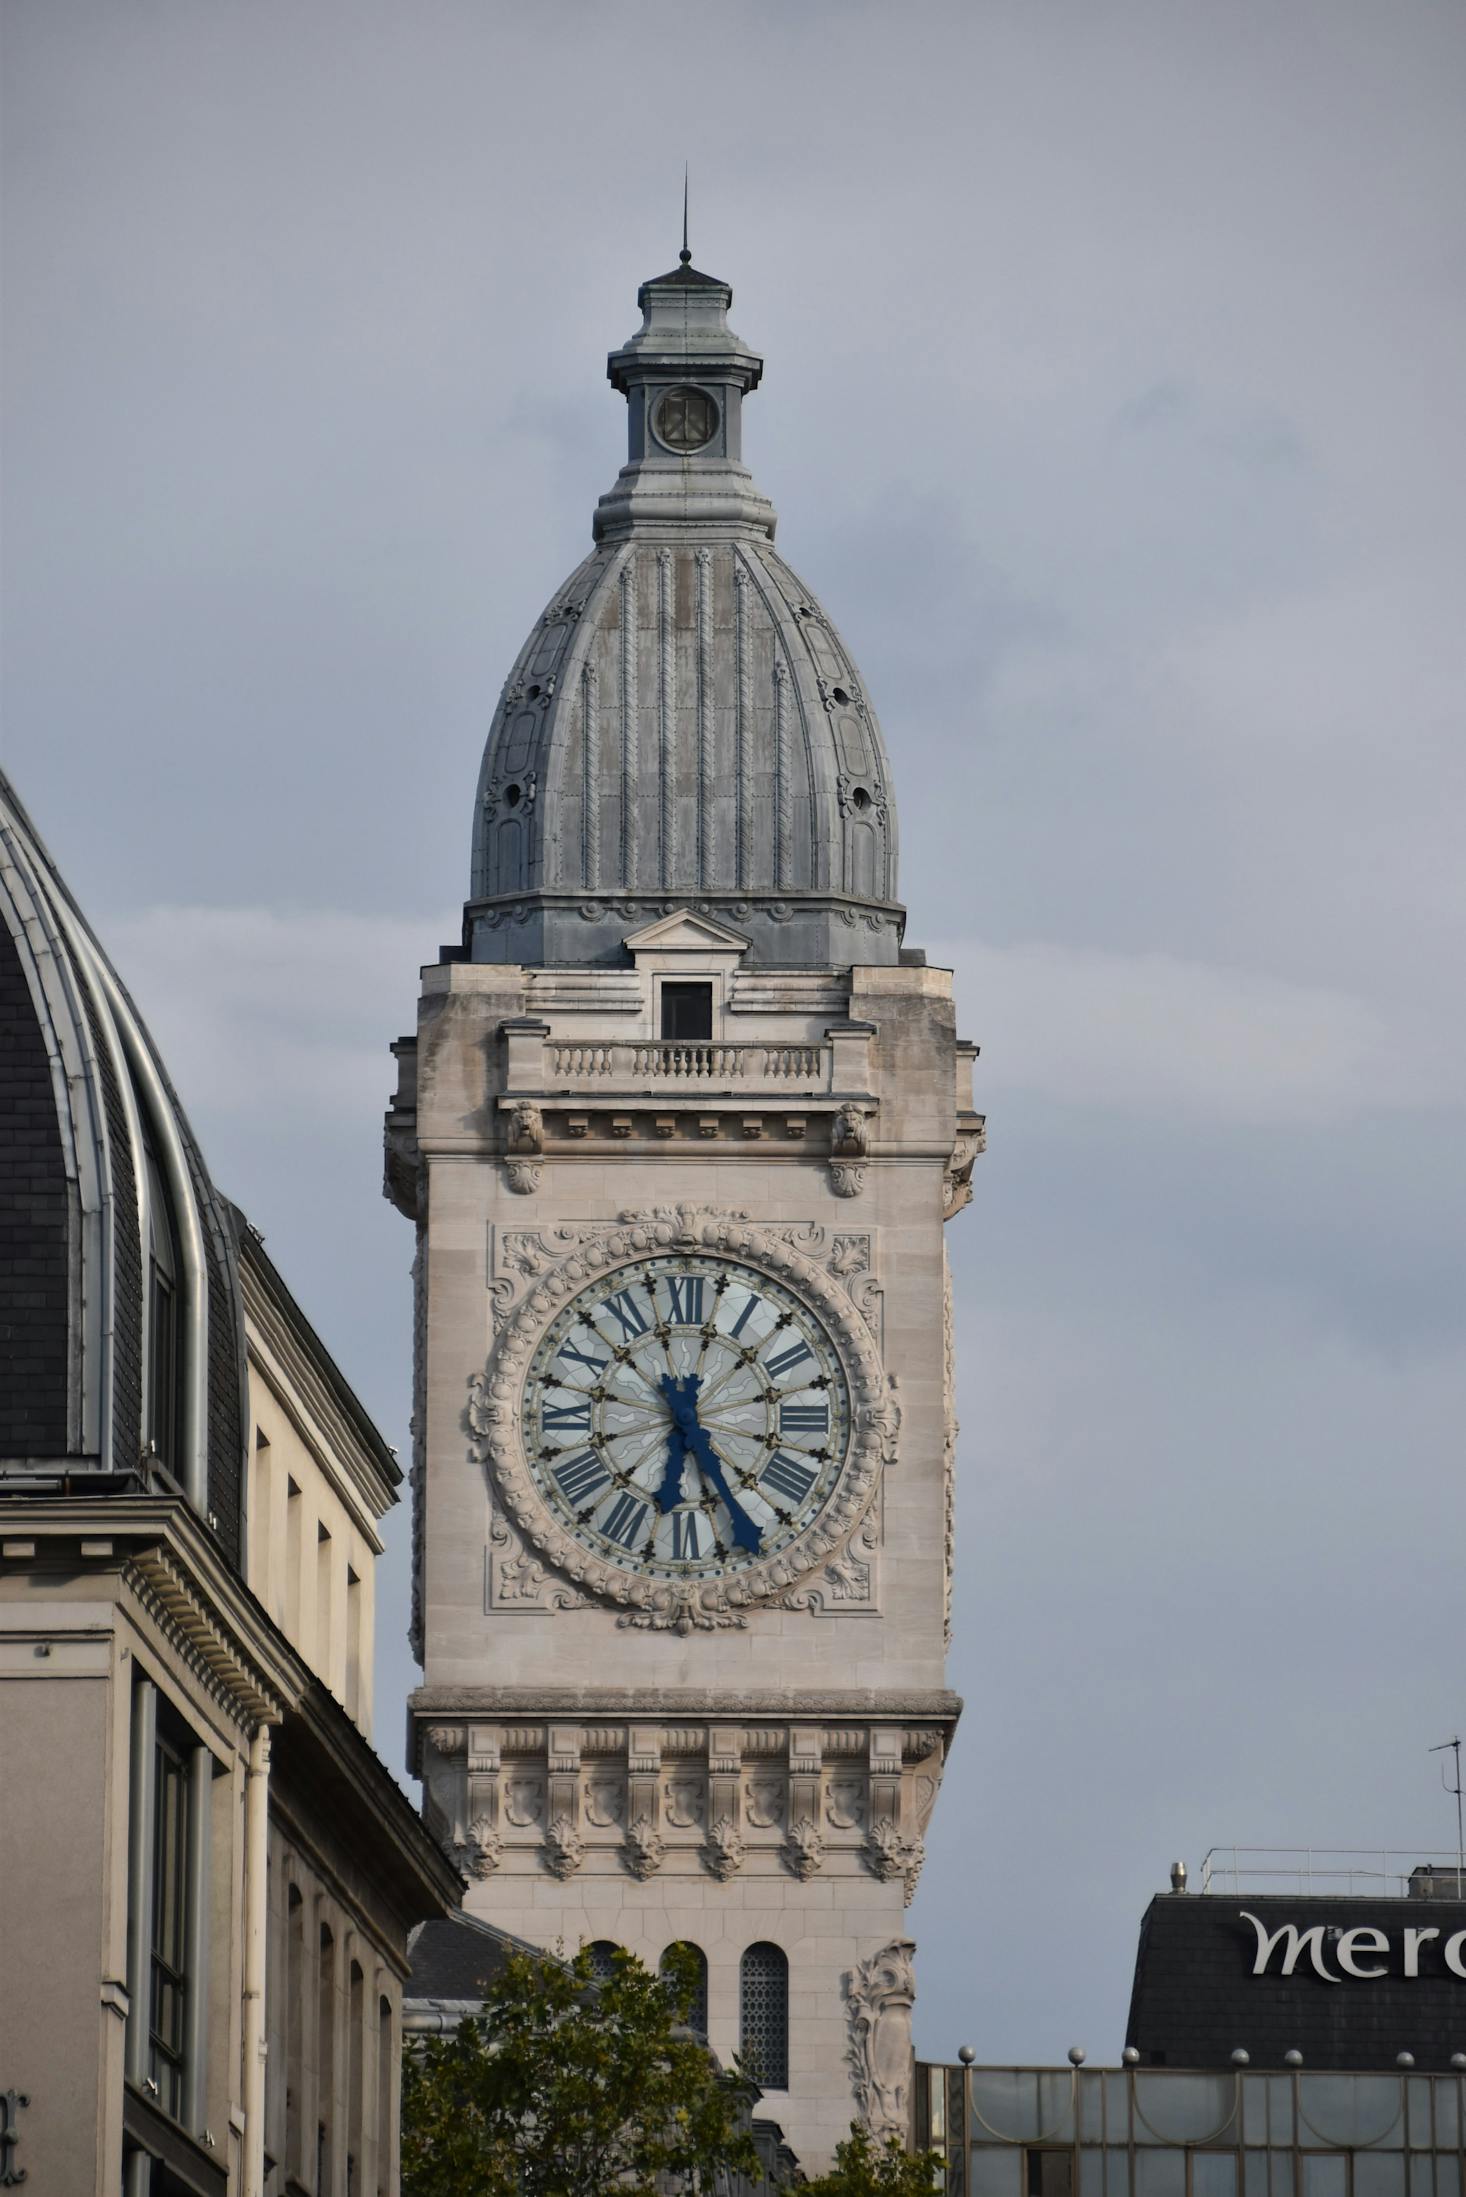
[564, 1848]
[957, 1176]
[479, 1855]
[849, 1146]
[686, 1803]
[804, 1848]
[684, 1609]
[559, 1262]
[845, 1803]
[949, 1448]
[644, 1848]
[723, 1851]
[524, 1800]
[847, 1582]
[417, 1427]
[524, 1143]
[447, 1739]
[889, 1855]
[605, 1802]
[880, 1993]
[764, 1799]
[519, 1581]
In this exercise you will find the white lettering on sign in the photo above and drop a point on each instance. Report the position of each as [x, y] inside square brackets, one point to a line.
[1349, 1948]
[1414, 1939]
[1363, 1939]
[1297, 1939]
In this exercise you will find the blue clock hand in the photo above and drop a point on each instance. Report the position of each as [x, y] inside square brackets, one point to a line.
[682, 1399]
[745, 1532]
[669, 1494]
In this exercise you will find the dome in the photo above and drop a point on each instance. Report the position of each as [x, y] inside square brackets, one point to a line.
[684, 725]
[121, 1327]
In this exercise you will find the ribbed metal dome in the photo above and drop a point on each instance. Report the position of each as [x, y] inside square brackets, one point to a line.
[684, 726]
[121, 1325]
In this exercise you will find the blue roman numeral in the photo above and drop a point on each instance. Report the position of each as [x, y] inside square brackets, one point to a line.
[622, 1522]
[623, 1307]
[786, 1361]
[565, 1418]
[686, 1545]
[686, 1293]
[581, 1476]
[745, 1316]
[788, 1476]
[804, 1418]
[581, 1357]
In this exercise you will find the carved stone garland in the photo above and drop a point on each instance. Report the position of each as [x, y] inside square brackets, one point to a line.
[880, 1993]
[578, 1257]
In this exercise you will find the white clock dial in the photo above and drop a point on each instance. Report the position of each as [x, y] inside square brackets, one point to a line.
[686, 1417]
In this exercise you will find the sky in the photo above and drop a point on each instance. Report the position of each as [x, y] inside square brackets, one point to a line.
[1113, 407]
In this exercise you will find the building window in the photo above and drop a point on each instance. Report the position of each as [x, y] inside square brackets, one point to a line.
[603, 1953]
[386, 2091]
[169, 1820]
[168, 2003]
[763, 2016]
[294, 2025]
[325, 2059]
[687, 1013]
[697, 2012]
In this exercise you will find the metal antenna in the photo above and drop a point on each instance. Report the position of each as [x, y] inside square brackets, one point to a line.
[1453, 1746]
[684, 255]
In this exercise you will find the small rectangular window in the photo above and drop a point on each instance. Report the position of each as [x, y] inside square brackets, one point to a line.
[687, 1013]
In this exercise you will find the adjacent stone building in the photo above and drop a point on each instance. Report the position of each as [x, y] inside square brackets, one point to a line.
[679, 1130]
[207, 1878]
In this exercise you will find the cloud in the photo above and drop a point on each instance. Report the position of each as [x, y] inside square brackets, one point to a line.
[262, 1008]
[1154, 1034]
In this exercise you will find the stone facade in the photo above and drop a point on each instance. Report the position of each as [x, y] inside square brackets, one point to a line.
[612, 1750]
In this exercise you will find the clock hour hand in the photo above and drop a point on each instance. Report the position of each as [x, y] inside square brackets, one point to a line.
[681, 1396]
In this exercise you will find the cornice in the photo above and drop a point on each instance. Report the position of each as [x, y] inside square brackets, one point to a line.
[321, 1756]
[172, 1565]
[888, 1706]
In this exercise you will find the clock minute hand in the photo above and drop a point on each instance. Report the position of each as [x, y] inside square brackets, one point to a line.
[682, 1399]
[681, 1395]
[745, 1532]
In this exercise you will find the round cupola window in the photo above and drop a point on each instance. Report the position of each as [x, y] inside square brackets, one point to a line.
[685, 419]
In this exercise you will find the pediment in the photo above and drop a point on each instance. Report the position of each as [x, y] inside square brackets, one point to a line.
[683, 931]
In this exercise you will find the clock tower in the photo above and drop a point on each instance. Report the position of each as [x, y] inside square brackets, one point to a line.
[679, 1131]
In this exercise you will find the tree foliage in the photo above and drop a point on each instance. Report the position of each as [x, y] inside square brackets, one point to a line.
[863, 2170]
[561, 2086]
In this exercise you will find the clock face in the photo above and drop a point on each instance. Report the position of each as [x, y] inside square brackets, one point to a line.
[686, 1417]
[685, 419]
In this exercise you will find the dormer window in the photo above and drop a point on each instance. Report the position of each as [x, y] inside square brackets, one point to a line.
[687, 1013]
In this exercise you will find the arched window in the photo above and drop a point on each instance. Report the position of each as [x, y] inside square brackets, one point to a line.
[697, 2012]
[602, 1953]
[763, 2015]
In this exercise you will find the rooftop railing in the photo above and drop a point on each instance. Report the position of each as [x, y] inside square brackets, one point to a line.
[1354, 1870]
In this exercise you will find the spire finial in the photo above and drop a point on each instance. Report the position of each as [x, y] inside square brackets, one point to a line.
[684, 255]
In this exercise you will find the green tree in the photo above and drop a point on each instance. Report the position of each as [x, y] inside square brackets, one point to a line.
[561, 2087]
[861, 2170]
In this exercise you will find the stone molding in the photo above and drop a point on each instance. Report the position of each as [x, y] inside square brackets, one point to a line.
[879, 1994]
[556, 1269]
[780, 1798]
